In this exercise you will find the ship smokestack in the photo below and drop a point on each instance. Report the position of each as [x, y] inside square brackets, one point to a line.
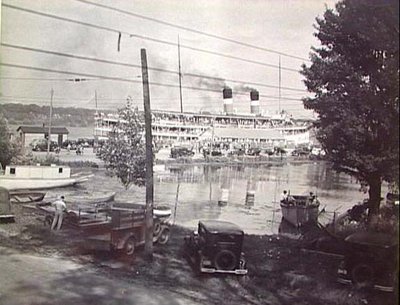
[254, 102]
[228, 100]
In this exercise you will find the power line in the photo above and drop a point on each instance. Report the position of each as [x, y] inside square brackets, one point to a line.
[125, 79]
[116, 31]
[138, 66]
[105, 98]
[191, 30]
[105, 61]
[49, 79]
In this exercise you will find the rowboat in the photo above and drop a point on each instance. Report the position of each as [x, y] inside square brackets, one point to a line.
[299, 210]
[26, 196]
[32, 177]
[159, 210]
[91, 197]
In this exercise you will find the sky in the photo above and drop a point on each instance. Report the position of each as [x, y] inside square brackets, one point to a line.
[279, 32]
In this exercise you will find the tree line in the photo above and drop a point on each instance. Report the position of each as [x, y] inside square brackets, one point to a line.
[32, 114]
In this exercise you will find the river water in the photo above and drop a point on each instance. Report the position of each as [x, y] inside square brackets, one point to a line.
[195, 191]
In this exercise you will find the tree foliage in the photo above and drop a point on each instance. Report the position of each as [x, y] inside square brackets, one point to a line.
[124, 153]
[354, 76]
[8, 149]
[21, 114]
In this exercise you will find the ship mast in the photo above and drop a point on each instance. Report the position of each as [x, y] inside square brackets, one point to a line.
[180, 75]
[280, 79]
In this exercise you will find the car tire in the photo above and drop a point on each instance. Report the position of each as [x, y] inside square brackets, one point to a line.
[156, 228]
[225, 260]
[129, 246]
[164, 236]
[362, 276]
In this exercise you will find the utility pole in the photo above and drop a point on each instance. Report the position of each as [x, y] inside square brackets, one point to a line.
[51, 114]
[180, 75]
[148, 247]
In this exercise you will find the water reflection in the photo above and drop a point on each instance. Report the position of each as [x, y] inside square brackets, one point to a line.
[253, 192]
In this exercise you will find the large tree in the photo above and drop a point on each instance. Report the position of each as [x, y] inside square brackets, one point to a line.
[354, 78]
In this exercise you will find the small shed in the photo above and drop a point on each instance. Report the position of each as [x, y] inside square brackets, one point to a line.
[5, 206]
[29, 133]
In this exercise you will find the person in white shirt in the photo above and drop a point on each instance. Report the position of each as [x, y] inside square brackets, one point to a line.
[60, 207]
[285, 196]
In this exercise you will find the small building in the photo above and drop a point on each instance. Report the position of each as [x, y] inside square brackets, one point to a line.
[29, 133]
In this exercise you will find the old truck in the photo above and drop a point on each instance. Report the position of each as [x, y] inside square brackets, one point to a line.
[124, 230]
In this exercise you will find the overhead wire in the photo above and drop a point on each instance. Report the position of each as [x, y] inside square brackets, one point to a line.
[126, 80]
[191, 30]
[124, 64]
[116, 31]
[93, 77]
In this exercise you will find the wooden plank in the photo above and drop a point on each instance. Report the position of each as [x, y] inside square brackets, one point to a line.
[334, 255]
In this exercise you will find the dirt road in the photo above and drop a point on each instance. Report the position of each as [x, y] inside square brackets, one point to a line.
[33, 279]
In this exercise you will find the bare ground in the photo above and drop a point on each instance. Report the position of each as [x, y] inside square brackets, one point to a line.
[280, 272]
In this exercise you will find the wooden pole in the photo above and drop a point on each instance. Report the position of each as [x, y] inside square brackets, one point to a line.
[148, 247]
[50, 116]
[176, 200]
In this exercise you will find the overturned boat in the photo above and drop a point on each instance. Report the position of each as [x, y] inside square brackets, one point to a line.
[26, 196]
[23, 177]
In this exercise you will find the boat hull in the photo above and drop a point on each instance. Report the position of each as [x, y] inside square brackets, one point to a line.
[299, 215]
[91, 198]
[26, 196]
[34, 184]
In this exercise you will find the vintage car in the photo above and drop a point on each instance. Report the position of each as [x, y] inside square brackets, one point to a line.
[253, 151]
[181, 151]
[41, 145]
[216, 247]
[370, 261]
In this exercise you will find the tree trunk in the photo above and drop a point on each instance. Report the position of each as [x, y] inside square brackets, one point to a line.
[375, 186]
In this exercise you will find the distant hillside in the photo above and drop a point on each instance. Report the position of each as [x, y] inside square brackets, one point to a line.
[19, 114]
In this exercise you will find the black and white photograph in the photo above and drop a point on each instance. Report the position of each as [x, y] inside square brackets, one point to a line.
[202, 152]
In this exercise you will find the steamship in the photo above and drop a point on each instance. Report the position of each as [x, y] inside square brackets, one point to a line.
[171, 127]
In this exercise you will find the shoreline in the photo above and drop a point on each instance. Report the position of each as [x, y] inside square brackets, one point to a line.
[280, 272]
[90, 156]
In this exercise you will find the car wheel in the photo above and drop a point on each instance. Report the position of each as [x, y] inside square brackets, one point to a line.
[129, 247]
[156, 228]
[362, 275]
[164, 237]
[225, 260]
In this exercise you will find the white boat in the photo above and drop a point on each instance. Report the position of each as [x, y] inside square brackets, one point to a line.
[22, 177]
[161, 211]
